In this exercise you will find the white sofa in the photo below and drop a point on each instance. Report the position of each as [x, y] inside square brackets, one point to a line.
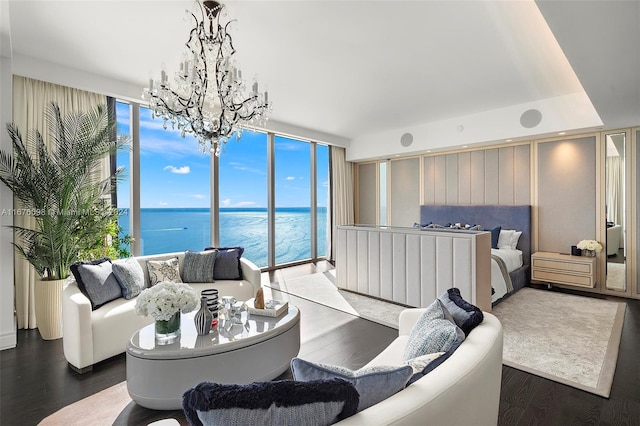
[463, 390]
[92, 336]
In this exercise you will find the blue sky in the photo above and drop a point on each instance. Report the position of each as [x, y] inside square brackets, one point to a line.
[174, 173]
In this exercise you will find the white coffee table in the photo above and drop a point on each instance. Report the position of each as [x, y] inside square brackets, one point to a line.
[158, 375]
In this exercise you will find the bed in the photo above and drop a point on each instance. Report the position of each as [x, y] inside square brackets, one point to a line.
[516, 261]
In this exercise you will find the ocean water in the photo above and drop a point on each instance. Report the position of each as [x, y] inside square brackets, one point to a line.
[172, 230]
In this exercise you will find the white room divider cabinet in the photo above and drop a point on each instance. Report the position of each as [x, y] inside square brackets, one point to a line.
[412, 266]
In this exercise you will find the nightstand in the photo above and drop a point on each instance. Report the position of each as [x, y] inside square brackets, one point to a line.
[557, 268]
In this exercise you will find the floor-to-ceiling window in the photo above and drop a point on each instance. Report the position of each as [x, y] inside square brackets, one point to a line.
[175, 192]
[293, 198]
[322, 197]
[243, 196]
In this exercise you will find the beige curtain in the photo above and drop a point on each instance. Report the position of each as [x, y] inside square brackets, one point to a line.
[30, 100]
[342, 211]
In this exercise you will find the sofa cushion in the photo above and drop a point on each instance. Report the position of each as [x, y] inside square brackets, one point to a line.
[227, 266]
[433, 332]
[285, 402]
[419, 364]
[130, 276]
[164, 270]
[96, 281]
[465, 315]
[197, 266]
[374, 384]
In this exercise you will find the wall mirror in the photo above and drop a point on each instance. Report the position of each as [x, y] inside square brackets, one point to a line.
[615, 208]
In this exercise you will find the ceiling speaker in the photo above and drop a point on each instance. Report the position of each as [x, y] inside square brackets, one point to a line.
[530, 118]
[406, 139]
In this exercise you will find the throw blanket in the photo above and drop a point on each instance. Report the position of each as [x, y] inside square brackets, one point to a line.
[500, 278]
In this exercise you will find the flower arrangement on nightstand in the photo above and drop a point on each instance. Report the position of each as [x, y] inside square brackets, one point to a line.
[589, 247]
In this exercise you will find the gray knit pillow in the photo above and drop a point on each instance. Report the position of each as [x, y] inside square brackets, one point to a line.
[130, 276]
[433, 332]
[197, 266]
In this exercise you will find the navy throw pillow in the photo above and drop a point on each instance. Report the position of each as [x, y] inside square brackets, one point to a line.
[465, 315]
[284, 402]
[495, 234]
[227, 263]
[96, 281]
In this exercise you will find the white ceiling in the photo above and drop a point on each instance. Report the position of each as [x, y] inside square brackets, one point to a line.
[352, 68]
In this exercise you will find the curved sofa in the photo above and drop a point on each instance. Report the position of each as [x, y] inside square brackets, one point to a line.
[463, 390]
[92, 336]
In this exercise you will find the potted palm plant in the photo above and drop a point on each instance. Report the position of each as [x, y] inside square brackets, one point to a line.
[61, 188]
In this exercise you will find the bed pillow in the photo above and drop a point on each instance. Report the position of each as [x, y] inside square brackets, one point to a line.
[130, 276]
[495, 236]
[96, 281]
[433, 332]
[505, 238]
[164, 270]
[227, 266]
[198, 266]
[514, 239]
[374, 384]
[465, 315]
[284, 402]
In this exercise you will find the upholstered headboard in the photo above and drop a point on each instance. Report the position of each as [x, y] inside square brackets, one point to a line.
[488, 216]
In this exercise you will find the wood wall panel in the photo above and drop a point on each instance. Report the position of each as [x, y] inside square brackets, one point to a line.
[429, 180]
[477, 177]
[440, 179]
[404, 191]
[367, 194]
[522, 175]
[464, 178]
[451, 182]
[566, 189]
[491, 176]
[505, 176]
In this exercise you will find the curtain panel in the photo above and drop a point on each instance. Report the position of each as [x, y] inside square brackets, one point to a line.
[342, 211]
[30, 99]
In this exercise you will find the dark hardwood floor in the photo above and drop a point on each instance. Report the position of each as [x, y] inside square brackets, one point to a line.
[35, 380]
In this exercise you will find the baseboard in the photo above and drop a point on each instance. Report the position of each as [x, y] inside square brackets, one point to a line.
[8, 340]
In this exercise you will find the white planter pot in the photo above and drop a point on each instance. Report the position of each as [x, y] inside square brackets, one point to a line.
[48, 304]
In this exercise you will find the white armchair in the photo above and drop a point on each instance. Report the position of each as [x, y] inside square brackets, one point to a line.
[613, 239]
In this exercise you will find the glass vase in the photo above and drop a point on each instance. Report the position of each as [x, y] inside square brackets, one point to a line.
[168, 331]
[589, 253]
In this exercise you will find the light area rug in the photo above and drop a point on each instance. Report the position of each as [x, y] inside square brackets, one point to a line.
[101, 408]
[569, 339]
[320, 288]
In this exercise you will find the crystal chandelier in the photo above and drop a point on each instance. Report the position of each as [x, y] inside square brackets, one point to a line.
[207, 97]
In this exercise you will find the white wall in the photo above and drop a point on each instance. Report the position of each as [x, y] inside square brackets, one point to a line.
[8, 337]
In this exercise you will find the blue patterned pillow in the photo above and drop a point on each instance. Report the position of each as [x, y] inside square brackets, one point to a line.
[433, 332]
[285, 402]
[198, 266]
[374, 384]
[465, 315]
[227, 265]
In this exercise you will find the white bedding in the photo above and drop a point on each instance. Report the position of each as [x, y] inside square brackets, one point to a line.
[512, 260]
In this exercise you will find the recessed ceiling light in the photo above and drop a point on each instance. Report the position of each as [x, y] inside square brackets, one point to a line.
[509, 140]
[465, 146]
[562, 133]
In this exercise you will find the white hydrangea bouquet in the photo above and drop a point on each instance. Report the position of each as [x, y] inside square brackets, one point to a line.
[592, 245]
[165, 299]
